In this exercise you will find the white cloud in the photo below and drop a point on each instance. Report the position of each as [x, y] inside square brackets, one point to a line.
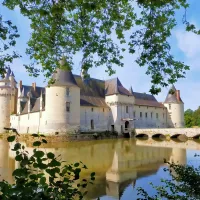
[188, 43]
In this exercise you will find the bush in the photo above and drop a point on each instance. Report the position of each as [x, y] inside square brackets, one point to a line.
[184, 184]
[43, 175]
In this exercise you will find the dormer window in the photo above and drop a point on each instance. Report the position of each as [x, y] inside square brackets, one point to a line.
[67, 92]
[169, 106]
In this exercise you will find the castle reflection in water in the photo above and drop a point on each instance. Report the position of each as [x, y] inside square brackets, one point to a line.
[117, 163]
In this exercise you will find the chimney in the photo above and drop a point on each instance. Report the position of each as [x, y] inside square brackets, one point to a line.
[178, 95]
[34, 86]
[20, 84]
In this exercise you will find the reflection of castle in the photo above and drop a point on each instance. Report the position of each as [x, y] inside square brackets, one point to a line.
[117, 163]
[74, 103]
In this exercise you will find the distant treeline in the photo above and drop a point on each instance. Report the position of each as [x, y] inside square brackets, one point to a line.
[192, 118]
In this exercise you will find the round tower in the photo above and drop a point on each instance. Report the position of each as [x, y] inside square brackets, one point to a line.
[62, 104]
[175, 108]
[5, 104]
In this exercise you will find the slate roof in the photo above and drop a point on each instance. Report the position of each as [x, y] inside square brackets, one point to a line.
[93, 101]
[93, 87]
[63, 78]
[34, 93]
[171, 97]
[92, 92]
[36, 106]
[25, 110]
[114, 86]
[144, 99]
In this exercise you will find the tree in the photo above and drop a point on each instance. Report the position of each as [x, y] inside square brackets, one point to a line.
[196, 116]
[189, 118]
[8, 36]
[184, 185]
[65, 27]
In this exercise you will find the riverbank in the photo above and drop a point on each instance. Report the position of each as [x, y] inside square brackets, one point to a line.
[65, 138]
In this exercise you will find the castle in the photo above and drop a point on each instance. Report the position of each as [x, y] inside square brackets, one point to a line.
[74, 104]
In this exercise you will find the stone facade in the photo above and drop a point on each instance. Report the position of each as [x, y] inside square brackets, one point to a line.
[74, 104]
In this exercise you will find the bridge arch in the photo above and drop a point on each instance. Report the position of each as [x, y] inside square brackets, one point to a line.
[196, 137]
[142, 136]
[159, 136]
[179, 137]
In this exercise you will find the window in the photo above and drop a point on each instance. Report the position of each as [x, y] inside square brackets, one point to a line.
[146, 114]
[134, 114]
[103, 109]
[67, 92]
[92, 109]
[92, 124]
[140, 114]
[151, 115]
[126, 109]
[147, 107]
[157, 115]
[169, 106]
[68, 106]
[163, 115]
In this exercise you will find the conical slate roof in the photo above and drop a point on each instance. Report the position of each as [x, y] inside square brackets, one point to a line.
[12, 74]
[64, 78]
[131, 90]
[172, 96]
[114, 86]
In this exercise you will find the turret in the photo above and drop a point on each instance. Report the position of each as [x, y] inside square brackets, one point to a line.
[5, 103]
[121, 103]
[62, 107]
[14, 93]
[175, 107]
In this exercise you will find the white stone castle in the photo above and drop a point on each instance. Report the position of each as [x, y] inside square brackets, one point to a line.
[74, 104]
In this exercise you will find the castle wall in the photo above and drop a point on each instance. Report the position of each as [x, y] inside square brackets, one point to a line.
[29, 123]
[175, 115]
[101, 119]
[58, 119]
[121, 108]
[148, 121]
[5, 106]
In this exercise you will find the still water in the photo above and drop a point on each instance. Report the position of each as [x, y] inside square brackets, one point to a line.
[121, 165]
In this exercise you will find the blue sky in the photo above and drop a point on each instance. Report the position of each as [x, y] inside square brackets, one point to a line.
[185, 47]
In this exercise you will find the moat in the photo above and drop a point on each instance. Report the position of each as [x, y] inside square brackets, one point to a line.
[121, 165]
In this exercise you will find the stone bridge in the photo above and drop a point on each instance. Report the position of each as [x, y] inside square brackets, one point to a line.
[168, 132]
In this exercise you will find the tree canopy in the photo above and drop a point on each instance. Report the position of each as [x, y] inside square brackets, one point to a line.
[8, 35]
[192, 118]
[66, 27]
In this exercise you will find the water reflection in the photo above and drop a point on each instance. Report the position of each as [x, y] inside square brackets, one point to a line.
[117, 163]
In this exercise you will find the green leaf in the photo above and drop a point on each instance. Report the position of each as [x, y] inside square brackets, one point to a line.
[33, 177]
[50, 155]
[11, 138]
[42, 166]
[93, 174]
[54, 163]
[39, 154]
[76, 164]
[43, 181]
[19, 158]
[37, 143]
[44, 141]
[35, 135]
